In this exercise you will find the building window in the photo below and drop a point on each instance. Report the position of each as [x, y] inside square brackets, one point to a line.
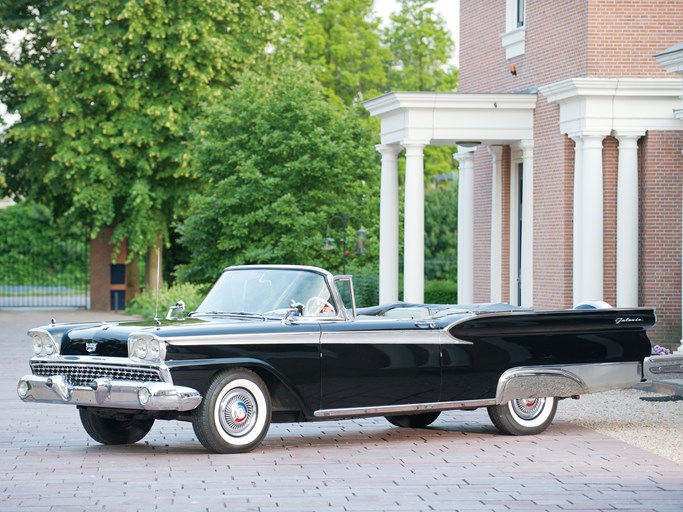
[520, 12]
[515, 31]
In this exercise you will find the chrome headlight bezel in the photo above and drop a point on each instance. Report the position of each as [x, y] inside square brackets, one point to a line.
[44, 345]
[145, 347]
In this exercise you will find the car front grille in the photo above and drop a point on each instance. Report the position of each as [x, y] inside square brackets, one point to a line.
[82, 374]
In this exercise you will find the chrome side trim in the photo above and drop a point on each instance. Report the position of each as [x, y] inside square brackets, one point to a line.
[299, 338]
[565, 381]
[397, 337]
[366, 337]
[663, 367]
[389, 410]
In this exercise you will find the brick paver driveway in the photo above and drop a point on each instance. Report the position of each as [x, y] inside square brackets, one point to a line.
[47, 462]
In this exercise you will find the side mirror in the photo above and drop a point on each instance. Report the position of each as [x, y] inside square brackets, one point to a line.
[176, 310]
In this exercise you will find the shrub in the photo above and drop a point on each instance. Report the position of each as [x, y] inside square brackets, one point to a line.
[366, 286]
[145, 303]
[441, 292]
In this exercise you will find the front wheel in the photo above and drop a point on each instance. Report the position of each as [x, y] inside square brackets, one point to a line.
[108, 428]
[413, 420]
[234, 415]
[523, 417]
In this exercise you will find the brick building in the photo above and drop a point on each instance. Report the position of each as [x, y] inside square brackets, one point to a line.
[569, 129]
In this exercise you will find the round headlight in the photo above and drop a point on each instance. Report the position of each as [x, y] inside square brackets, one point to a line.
[153, 349]
[37, 345]
[49, 348]
[140, 349]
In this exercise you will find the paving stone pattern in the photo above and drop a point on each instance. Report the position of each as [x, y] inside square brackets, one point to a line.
[48, 463]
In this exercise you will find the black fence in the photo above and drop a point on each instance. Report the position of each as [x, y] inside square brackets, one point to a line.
[55, 276]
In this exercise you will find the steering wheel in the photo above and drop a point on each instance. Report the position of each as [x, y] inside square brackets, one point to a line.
[314, 306]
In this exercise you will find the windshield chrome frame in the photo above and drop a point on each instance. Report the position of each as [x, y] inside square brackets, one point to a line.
[330, 281]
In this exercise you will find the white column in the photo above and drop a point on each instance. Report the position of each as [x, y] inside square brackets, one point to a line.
[413, 231]
[679, 350]
[465, 159]
[527, 266]
[388, 224]
[627, 220]
[496, 257]
[577, 222]
[592, 220]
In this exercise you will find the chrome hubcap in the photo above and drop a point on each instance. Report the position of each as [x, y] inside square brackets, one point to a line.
[528, 408]
[238, 412]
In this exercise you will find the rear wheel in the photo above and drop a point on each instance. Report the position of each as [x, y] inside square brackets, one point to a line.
[414, 420]
[119, 428]
[234, 415]
[526, 416]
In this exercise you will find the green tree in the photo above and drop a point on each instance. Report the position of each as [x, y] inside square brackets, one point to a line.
[341, 41]
[106, 91]
[279, 162]
[33, 251]
[422, 47]
[441, 226]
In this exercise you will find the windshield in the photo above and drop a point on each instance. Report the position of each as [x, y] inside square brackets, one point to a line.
[269, 292]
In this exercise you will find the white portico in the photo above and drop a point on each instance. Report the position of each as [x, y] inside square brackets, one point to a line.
[413, 120]
[592, 109]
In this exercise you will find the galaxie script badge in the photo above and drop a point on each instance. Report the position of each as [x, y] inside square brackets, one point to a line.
[627, 320]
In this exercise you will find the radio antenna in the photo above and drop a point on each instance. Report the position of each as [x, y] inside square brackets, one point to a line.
[156, 307]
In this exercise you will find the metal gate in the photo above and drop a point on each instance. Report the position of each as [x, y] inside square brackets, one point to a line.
[55, 277]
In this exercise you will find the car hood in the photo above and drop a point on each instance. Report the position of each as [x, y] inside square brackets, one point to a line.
[111, 339]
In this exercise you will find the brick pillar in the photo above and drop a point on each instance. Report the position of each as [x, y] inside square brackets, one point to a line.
[107, 276]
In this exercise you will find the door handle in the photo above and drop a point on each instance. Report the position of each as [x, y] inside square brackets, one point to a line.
[425, 325]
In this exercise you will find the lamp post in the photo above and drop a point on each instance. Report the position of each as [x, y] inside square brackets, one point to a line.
[328, 242]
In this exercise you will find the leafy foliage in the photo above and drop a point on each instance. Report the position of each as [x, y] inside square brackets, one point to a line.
[106, 91]
[365, 285]
[441, 226]
[422, 47]
[145, 304]
[279, 163]
[36, 252]
[441, 292]
[341, 41]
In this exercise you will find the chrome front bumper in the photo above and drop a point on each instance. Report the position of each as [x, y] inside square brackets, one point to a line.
[104, 392]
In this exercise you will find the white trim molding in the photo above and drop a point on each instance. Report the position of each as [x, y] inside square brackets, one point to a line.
[672, 60]
[601, 105]
[446, 118]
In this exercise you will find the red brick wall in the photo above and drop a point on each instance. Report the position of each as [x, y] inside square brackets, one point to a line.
[581, 38]
[483, 181]
[101, 252]
[661, 179]
[610, 164]
[505, 226]
[553, 207]
[624, 36]
[555, 45]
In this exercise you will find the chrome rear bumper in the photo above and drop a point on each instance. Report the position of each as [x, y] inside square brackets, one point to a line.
[104, 392]
[663, 367]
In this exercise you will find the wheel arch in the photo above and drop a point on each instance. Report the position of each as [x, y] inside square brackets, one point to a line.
[283, 396]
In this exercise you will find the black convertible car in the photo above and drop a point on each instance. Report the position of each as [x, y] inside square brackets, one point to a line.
[286, 344]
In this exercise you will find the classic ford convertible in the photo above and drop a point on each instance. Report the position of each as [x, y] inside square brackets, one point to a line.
[286, 344]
